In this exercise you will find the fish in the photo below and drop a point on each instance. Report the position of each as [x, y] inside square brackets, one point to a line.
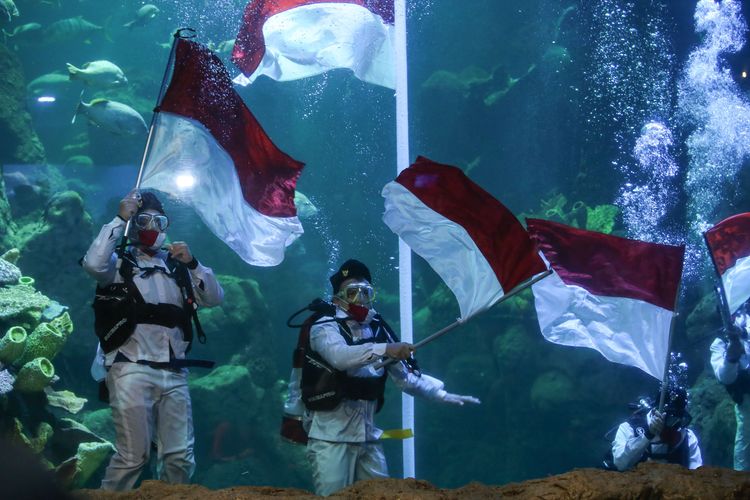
[48, 82]
[225, 47]
[112, 116]
[305, 208]
[8, 8]
[98, 73]
[26, 33]
[79, 161]
[143, 16]
[71, 28]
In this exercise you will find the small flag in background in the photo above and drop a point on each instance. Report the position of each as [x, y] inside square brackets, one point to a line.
[729, 244]
[470, 239]
[293, 39]
[210, 152]
[611, 294]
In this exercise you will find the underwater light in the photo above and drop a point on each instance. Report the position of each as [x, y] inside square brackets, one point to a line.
[45, 98]
[185, 181]
[744, 74]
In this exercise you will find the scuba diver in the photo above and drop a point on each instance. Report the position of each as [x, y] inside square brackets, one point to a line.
[653, 435]
[731, 364]
[145, 301]
[342, 389]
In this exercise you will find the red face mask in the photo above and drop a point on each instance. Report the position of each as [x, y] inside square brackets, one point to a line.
[357, 313]
[147, 237]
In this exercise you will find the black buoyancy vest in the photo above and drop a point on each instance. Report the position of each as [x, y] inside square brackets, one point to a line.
[678, 446]
[119, 307]
[322, 386]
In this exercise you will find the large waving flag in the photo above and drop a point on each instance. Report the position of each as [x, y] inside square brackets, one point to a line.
[469, 238]
[611, 294]
[292, 39]
[729, 244]
[210, 152]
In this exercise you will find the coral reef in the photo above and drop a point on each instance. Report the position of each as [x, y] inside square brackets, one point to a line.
[34, 375]
[9, 273]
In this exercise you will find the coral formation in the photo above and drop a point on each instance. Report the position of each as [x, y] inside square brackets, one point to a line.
[601, 218]
[9, 273]
[21, 305]
[45, 341]
[12, 344]
[34, 375]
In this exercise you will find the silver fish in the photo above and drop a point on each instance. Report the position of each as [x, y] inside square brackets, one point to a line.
[8, 8]
[144, 15]
[68, 29]
[112, 116]
[98, 73]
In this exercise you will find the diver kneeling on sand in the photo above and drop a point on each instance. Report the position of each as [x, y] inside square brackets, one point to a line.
[145, 301]
[336, 389]
[653, 435]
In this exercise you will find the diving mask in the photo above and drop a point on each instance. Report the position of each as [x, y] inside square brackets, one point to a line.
[358, 292]
[158, 222]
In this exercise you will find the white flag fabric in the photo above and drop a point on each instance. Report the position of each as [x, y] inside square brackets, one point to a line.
[210, 152]
[470, 239]
[610, 294]
[729, 244]
[292, 39]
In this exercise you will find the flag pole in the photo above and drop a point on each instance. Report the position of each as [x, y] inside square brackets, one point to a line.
[726, 315]
[404, 252]
[523, 286]
[665, 377]
[162, 89]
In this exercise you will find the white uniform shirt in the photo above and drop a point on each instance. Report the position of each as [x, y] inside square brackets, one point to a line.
[727, 372]
[629, 446]
[352, 421]
[148, 342]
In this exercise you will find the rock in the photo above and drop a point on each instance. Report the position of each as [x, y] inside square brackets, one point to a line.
[21, 305]
[66, 400]
[9, 273]
[20, 142]
[552, 389]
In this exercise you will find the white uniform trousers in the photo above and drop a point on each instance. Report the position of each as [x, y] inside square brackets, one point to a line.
[148, 405]
[337, 465]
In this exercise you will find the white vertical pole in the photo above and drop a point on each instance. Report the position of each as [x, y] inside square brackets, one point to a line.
[404, 252]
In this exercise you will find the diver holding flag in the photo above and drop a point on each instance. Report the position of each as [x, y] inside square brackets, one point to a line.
[145, 307]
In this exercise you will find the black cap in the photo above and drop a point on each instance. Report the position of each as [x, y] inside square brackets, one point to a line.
[348, 270]
[149, 201]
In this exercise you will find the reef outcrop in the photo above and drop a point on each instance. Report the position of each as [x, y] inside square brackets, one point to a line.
[23, 145]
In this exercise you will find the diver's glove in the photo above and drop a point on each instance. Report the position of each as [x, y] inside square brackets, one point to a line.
[655, 420]
[457, 399]
[735, 349]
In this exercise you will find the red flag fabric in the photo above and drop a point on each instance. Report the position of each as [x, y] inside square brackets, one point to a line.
[211, 152]
[471, 240]
[607, 293]
[729, 244]
[291, 39]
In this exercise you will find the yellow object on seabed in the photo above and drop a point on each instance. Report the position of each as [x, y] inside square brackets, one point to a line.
[397, 434]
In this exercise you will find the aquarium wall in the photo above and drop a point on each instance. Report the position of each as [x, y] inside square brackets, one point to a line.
[628, 118]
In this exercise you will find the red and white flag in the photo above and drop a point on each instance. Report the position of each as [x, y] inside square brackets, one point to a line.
[470, 239]
[611, 294]
[729, 244]
[211, 153]
[292, 39]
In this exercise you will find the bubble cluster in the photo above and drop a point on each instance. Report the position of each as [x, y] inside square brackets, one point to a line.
[712, 106]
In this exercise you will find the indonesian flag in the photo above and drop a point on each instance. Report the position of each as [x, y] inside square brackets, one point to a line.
[729, 244]
[611, 294]
[292, 39]
[210, 152]
[469, 238]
